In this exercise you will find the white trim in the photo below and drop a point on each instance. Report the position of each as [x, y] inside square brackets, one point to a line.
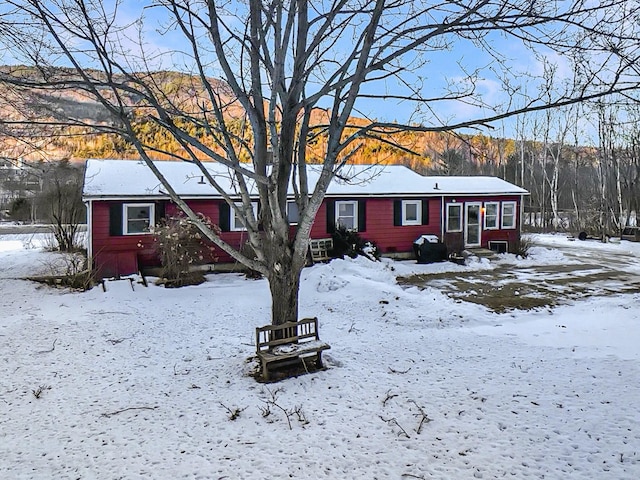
[460, 216]
[486, 215]
[150, 218]
[418, 219]
[232, 217]
[89, 207]
[215, 196]
[354, 203]
[513, 215]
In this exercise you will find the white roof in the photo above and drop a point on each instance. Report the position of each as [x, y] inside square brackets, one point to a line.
[131, 178]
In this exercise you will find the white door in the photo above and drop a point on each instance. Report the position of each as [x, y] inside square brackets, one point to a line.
[472, 222]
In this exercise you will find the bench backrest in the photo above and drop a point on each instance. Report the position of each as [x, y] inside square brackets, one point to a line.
[289, 332]
[321, 249]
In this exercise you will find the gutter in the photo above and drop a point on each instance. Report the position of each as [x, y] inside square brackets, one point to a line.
[328, 195]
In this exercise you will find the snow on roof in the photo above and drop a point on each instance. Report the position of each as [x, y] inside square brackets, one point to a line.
[131, 178]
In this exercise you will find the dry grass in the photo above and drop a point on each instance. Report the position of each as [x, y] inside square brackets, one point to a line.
[508, 288]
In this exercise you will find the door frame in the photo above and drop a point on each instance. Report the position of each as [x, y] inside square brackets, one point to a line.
[467, 207]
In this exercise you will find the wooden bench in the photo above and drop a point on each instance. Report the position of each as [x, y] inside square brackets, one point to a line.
[320, 249]
[289, 343]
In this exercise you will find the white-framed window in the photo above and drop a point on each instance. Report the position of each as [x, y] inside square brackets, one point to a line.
[454, 217]
[293, 213]
[411, 212]
[137, 218]
[235, 222]
[491, 212]
[508, 215]
[347, 214]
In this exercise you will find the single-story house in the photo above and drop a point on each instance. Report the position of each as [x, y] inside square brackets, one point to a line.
[390, 205]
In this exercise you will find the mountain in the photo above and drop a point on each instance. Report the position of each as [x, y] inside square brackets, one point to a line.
[422, 151]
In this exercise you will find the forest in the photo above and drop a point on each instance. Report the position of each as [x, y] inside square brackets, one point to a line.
[581, 163]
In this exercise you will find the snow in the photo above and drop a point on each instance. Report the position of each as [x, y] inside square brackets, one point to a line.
[131, 179]
[141, 382]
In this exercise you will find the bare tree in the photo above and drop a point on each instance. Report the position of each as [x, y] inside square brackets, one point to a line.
[297, 72]
[632, 166]
[60, 203]
[557, 150]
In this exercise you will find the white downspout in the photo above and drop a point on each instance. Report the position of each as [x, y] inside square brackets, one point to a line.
[89, 236]
[442, 218]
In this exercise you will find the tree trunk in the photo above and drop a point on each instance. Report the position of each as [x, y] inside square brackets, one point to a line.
[574, 192]
[284, 283]
[284, 288]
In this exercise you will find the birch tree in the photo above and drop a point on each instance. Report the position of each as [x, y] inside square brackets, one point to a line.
[267, 77]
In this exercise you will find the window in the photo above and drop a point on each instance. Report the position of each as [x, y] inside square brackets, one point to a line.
[491, 215]
[508, 215]
[236, 224]
[454, 217]
[138, 218]
[347, 214]
[411, 212]
[293, 214]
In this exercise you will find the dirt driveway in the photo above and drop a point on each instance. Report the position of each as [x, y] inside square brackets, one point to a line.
[584, 269]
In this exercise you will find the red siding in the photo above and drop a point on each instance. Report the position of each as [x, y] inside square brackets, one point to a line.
[117, 255]
[390, 238]
[122, 255]
[126, 254]
[380, 228]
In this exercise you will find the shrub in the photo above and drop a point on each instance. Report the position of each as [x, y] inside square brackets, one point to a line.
[181, 247]
[20, 210]
[522, 246]
[350, 243]
[68, 270]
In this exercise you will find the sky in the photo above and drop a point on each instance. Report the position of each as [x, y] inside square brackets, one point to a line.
[449, 66]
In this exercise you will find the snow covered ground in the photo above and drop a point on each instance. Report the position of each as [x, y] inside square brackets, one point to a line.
[140, 382]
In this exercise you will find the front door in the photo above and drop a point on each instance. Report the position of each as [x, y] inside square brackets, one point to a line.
[472, 225]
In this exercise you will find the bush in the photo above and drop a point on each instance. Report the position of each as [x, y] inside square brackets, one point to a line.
[522, 246]
[68, 270]
[181, 247]
[350, 243]
[60, 204]
[20, 210]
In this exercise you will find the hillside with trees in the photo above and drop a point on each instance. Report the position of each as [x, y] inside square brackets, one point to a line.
[573, 187]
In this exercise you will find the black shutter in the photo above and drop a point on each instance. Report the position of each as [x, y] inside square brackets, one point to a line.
[160, 209]
[425, 211]
[224, 221]
[331, 215]
[115, 219]
[397, 213]
[362, 215]
[259, 215]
